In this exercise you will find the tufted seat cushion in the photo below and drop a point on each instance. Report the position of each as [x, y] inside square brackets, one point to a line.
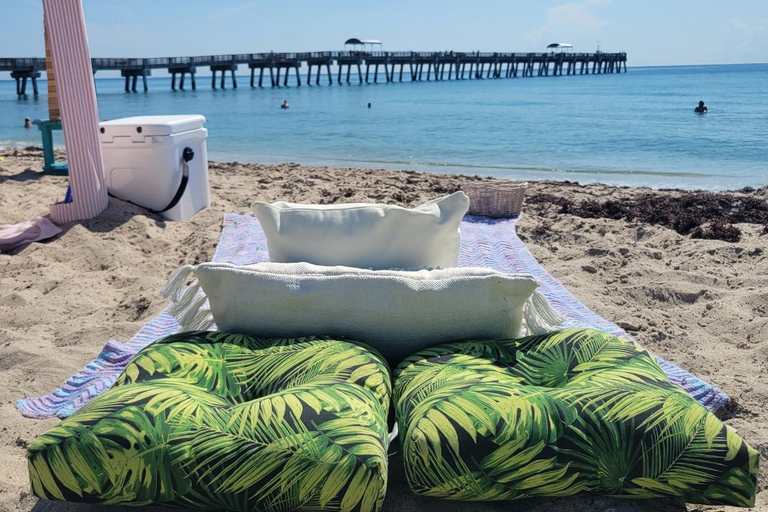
[556, 415]
[228, 422]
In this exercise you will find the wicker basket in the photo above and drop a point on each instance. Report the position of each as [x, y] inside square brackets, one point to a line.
[495, 199]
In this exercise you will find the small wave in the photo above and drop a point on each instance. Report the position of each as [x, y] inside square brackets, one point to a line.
[15, 144]
[553, 170]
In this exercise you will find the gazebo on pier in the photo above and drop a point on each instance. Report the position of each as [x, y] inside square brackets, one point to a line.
[363, 44]
[560, 47]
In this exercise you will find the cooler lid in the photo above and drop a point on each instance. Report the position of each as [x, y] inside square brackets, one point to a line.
[149, 126]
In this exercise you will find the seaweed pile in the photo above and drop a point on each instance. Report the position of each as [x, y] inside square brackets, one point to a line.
[707, 215]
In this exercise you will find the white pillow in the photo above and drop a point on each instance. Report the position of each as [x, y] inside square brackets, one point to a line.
[397, 312]
[364, 235]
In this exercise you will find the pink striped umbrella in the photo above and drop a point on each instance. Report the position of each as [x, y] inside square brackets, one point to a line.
[65, 23]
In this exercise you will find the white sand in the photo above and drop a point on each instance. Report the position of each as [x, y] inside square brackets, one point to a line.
[702, 304]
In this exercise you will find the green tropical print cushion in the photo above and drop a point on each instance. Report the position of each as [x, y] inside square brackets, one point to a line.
[575, 411]
[221, 421]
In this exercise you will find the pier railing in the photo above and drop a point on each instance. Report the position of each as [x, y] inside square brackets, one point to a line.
[119, 64]
[21, 64]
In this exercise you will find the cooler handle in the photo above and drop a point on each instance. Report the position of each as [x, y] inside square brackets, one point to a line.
[187, 155]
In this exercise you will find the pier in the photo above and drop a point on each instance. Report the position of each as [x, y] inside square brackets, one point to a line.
[417, 66]
[23, 70]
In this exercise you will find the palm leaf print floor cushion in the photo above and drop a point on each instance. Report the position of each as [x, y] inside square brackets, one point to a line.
[228, 422]
[575, 411]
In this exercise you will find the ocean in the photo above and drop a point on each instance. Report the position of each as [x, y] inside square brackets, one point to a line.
[631, 129]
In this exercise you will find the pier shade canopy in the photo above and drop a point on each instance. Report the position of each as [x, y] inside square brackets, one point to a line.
[363, 42]
[560, 46]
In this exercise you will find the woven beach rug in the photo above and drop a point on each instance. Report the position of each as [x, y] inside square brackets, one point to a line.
[484, 243]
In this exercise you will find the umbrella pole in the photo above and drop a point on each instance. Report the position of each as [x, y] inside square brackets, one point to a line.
[53, 97]
[47, 127]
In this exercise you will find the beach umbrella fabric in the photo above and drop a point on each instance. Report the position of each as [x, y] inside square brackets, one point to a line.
[65, 24]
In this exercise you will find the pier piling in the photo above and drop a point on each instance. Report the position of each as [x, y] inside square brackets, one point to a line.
[181, 66]
[24, 71]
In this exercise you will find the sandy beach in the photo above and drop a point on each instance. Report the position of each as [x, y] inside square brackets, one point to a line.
[700, 303]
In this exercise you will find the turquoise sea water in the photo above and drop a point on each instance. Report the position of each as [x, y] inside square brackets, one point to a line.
[636, 128]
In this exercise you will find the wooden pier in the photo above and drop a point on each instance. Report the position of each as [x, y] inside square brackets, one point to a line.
[421, 66]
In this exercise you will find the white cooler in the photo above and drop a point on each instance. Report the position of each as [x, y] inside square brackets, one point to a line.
[158, 162]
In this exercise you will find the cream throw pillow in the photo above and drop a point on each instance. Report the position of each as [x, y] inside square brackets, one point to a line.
[397, 312]
[376, 236]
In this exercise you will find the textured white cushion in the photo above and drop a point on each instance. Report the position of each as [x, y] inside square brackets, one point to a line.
[397, 312]
[376, 236]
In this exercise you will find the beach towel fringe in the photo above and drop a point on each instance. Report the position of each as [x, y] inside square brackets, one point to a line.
[540, 316]
[190, 311]
[183, 302]
[188, 303]
[201, 321]
[177, 282]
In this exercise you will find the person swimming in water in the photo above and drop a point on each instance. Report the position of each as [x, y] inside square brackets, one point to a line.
[27, 123]
[285, 105]
[702, 108]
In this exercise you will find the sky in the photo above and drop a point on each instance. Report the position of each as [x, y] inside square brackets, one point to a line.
[652, 32]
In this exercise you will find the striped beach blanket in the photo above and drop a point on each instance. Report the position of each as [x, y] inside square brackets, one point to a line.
[484, 243]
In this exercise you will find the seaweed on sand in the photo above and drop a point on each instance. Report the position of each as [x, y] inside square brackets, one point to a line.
[707, 215]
